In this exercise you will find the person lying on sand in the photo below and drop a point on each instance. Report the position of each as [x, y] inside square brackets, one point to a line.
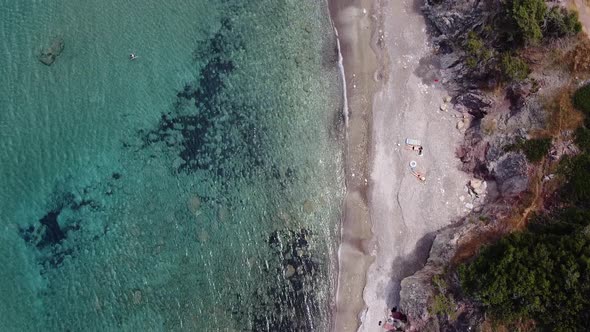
[420, 176]
[418, 148]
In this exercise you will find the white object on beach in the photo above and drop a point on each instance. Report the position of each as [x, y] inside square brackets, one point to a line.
[410, 141]
[413, 164]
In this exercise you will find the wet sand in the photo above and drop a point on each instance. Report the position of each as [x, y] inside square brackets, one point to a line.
[390, 216]
[355, 24]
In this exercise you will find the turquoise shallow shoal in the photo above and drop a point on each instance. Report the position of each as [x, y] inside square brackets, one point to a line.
[195, 188]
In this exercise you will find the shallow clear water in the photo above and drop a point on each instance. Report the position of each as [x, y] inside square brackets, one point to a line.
[195, 188]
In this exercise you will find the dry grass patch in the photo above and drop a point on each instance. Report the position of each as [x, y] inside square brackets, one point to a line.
[578, 59]
[561, 112]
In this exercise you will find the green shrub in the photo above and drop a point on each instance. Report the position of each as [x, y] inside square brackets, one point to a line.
[542, 273]
[576, 171]
[533, 149]
[560, 23]
[582, 99]
[471, 62]
[528, 16]
[476, 49]
[514, 68]
[474, 44]
[536, 149]
[583, 139]
[444, 305]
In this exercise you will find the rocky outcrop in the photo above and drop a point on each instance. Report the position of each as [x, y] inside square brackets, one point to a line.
[452, 18]
[511, 174]
[418, 290]
[476, 103]
[451, 21]
[49, 54]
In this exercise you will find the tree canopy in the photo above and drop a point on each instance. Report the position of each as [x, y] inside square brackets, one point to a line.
[542, 273]
[528, 16]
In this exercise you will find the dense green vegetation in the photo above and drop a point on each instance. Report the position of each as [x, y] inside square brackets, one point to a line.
[527, 17]
[530, 21]
[577, 172]
[543, 273]
[559, 22]
[582, 99]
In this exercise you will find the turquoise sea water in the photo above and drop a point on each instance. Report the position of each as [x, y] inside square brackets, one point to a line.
[197, 187]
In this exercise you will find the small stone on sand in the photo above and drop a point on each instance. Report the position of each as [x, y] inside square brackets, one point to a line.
[475, 183]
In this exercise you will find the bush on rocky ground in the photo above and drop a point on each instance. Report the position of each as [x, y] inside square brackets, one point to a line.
[514, 68]
[527, 17]
[560, 22]
[534, 149]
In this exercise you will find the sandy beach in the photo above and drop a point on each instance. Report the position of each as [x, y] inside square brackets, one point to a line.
[390, 215]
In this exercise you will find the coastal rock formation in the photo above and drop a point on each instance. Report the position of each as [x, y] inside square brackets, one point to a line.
[49, 54]
[451, 21]
[455, 17]
[510, 173]
[476, 102]
[417, 291]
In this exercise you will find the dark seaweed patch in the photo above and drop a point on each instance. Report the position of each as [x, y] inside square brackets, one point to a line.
[221, 129]
[53, 233]
[47, 234]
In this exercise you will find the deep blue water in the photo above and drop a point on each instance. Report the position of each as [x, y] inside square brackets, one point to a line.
[197, 187]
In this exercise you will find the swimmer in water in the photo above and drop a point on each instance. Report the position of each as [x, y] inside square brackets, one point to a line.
[132, 56]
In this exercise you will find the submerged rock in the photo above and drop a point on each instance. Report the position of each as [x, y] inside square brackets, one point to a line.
[49, 54]
[289, 271]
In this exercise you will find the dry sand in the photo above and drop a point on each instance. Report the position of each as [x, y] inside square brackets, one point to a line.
[390, 219]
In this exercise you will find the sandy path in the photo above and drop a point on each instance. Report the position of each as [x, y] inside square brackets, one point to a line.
[404, 211]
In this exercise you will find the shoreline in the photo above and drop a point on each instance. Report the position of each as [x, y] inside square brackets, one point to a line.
[355, 25]
[389, 217]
